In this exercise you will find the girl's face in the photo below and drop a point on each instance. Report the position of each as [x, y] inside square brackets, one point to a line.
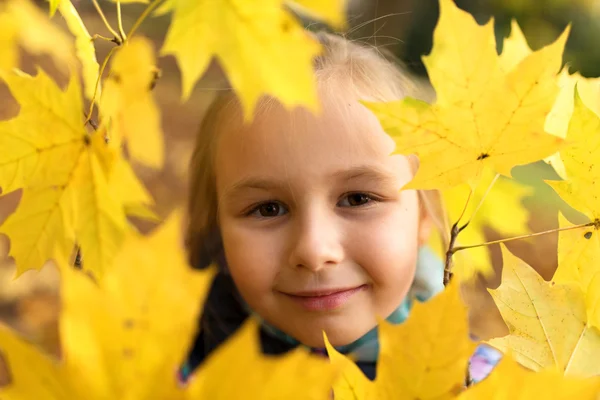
[317, 234]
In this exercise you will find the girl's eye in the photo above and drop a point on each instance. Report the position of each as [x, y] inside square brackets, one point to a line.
[268, 210]
[355, 200]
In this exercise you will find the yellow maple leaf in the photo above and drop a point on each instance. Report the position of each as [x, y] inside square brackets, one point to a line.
[261, 47]
[84, 47]
[578, 250]
[582, 190]
[500, 210]
[123, 338]
[127, 107]
[557, 121]
[547, 322]
[423, 358]
[483, 117]
[31, 28]
[46, 151]
[297, 375]
[510, 381]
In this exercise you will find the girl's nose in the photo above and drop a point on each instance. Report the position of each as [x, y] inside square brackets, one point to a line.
[316, 241]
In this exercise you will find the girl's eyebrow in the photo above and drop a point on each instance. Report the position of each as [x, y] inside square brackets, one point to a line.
[366, 172]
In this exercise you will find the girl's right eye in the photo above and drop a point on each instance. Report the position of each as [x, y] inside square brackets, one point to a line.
[268, 210]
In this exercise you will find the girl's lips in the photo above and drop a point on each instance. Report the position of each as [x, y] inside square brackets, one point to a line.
[325, 302]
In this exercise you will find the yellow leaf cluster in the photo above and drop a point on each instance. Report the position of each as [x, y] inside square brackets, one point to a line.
[64, 173]
[426, 358]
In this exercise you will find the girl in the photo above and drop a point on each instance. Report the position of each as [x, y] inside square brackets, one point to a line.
[305, 217]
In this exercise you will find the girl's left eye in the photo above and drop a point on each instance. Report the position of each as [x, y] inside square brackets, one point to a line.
[355, 200]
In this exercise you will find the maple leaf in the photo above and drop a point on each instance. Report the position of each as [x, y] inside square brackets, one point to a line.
[557, 122]
[30, 27]
[46, 151]
[260, 46]
[500, 208]
[547, 321]
[579, 250]
[127, 107]
[582, 190]
[483, 116]
[510, 381]
[295, 375]
[423, 358]
[123, 338]
[84, 46]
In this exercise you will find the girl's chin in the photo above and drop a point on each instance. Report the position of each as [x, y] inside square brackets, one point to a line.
[336, 334]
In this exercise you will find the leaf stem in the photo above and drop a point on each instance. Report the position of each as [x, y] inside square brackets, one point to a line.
[120, 21]
[100, 73]
[106, 23]
[97, 36]
[568, 228]
[483, 198]
[464, 210]
[143, 16]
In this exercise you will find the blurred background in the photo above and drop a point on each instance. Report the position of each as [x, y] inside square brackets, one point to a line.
[403, 27]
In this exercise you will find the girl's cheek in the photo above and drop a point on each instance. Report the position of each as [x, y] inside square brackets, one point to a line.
[251, 254]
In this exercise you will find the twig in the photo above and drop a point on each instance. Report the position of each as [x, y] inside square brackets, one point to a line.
[100, 73]
[143, 16]
[568, 228]
[453, 235]
[93, 124]
[106, 23]
[450, 252]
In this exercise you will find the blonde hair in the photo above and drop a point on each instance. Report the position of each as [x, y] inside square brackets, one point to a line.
[365, 70]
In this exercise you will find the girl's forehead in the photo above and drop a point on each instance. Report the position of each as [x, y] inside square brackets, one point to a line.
[342, 121]
[303, 148]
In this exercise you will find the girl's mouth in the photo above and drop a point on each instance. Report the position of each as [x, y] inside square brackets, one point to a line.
[325, 300]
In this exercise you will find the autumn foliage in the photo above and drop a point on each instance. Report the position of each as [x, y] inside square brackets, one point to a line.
[127, 322]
